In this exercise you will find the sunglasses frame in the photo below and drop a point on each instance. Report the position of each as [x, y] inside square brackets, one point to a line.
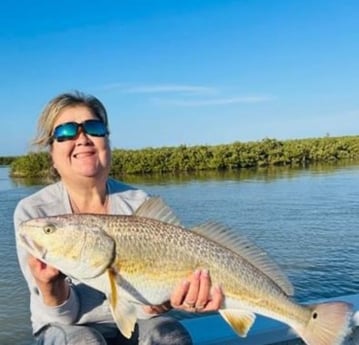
[79, 126]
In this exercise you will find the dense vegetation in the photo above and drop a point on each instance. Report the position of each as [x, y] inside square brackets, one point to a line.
[32, 165]
[7, 160]
[238, 155]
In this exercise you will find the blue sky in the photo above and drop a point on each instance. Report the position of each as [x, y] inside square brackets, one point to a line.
[184, 72]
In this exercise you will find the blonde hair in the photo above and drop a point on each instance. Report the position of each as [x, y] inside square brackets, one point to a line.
[52, 110]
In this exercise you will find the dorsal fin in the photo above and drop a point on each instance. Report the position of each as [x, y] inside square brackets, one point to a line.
[231, 240]
[155, 208]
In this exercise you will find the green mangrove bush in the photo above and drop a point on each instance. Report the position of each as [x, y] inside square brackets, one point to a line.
[238, 155]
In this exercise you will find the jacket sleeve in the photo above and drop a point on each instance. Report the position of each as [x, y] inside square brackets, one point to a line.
[41, 314]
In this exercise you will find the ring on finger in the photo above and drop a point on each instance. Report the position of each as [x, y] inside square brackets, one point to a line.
[199, 307]
[189, 305]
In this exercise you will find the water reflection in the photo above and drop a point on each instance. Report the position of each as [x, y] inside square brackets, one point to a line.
[259, 174]
[267, 174]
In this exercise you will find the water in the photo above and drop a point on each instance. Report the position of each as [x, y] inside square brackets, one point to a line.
[308, 220]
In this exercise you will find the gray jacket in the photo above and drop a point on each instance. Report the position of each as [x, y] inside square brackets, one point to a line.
[84, 305]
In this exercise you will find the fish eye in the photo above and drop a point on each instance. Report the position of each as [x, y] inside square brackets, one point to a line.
[49, 229]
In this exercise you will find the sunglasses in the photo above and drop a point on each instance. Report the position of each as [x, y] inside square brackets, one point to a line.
[70, 130]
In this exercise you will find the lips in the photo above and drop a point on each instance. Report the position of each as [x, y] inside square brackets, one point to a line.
[83, 154]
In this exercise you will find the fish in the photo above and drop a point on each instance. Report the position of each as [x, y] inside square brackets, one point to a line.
[139, 259]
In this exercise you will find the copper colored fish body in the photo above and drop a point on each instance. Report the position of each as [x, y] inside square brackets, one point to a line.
[138, 260]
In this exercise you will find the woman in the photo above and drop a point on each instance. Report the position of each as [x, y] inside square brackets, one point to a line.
[74, 127]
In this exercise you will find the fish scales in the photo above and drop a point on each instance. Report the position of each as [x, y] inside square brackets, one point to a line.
[139, 259]
[142, 244]
[242, 280]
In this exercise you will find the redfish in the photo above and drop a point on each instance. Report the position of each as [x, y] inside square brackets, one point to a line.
[139, 259]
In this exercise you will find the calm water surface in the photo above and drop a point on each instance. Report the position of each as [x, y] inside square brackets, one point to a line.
[308, 220]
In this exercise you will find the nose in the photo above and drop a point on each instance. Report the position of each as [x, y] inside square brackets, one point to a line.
[82, 138]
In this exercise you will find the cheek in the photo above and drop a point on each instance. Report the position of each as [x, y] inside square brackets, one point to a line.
[104, 143]
[103, 147]
[59, 152]
[105, 158]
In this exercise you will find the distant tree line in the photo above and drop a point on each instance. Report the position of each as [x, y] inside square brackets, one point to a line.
[7, 160]
[238, 155]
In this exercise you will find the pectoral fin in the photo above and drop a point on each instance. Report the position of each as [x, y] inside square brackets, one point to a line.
[123, 312]
[240, 320]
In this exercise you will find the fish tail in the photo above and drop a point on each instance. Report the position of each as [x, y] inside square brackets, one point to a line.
[328, 324]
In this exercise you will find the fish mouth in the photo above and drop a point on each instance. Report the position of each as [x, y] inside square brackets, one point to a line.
[33, 247]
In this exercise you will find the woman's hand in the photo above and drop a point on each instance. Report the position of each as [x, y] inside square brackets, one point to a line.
[50, 281]
[196, 294]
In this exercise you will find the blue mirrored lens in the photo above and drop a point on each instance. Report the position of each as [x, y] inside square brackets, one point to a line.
[65, 131]
[95, 128]
[70, 130]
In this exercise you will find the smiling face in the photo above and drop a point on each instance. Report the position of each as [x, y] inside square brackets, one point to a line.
[83, 157]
